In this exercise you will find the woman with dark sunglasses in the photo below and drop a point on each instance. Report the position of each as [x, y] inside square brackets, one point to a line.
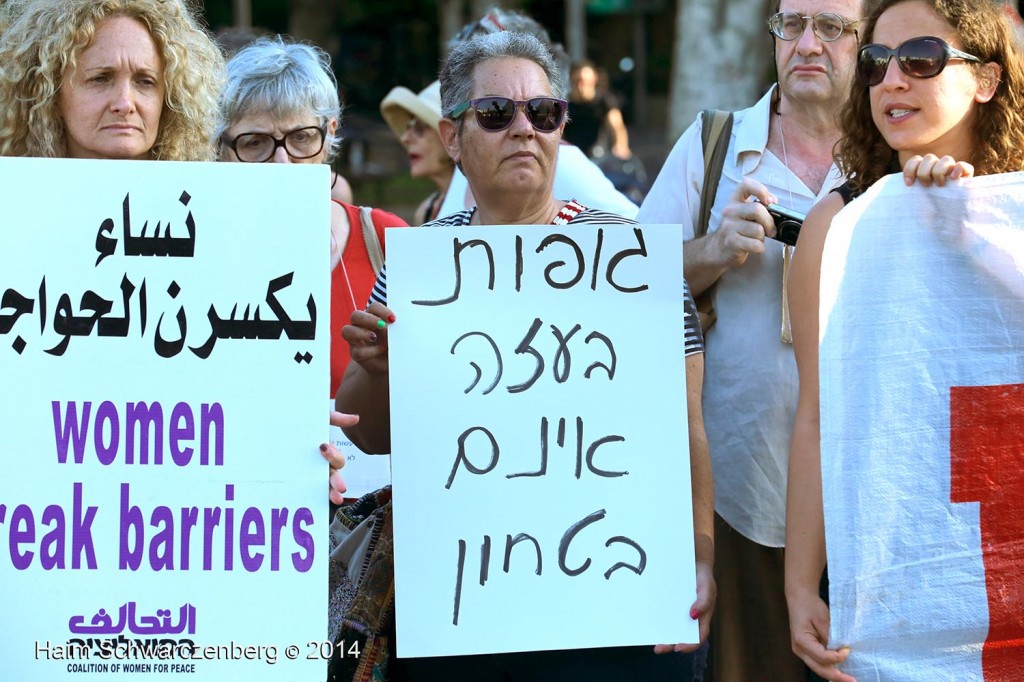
[505, 111]
[939, 94]
[575, 174]
[280, 105]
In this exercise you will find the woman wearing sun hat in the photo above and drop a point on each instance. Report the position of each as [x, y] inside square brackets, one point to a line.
[413, 118]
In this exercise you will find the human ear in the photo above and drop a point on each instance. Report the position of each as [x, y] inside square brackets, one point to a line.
[449, 132]
[988, 81]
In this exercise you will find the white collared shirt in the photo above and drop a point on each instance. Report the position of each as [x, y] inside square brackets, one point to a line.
[750, 377]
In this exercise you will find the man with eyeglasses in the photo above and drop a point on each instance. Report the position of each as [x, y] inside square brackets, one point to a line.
[779, 152]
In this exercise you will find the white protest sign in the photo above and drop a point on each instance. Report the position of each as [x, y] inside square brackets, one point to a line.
[163, 344]
[539, 438]
[922, 430]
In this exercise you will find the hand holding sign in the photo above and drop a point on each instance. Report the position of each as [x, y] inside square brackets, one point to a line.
[704, 606]
[929, 169]
[335, 458]
[367, 337]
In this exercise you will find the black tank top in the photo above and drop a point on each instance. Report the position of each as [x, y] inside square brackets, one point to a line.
[847, 192]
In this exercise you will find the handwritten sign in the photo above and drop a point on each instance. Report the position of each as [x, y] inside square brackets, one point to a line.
[163, 344]
[539, 438]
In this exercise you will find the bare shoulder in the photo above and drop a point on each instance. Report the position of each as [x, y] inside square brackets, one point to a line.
[811, 243]
[339, 216]
[340, 189]
[817, 222]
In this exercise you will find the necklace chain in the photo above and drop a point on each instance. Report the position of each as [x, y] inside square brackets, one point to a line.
[785, 156]
[786, 332]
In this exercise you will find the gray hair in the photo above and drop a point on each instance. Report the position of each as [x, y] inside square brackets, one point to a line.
[283, 79]
[461, 63]
[500, 19]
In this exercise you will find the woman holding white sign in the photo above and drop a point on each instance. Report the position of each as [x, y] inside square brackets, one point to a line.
[280, 105]
[144, 86]
[505, 112]
[939, 91]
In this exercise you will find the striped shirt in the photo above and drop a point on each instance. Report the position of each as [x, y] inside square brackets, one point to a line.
[575, 214]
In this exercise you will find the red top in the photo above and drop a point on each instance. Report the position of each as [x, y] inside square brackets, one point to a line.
[361, 277]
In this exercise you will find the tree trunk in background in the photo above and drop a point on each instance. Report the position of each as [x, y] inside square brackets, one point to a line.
[313, 21]
[722, 58]
[243, 13]
[450, 19]
[576, 29]
[478, 8]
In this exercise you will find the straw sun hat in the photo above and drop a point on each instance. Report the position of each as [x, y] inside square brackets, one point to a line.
[401, 104]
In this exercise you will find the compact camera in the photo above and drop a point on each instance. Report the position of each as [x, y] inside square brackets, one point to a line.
[787, 223]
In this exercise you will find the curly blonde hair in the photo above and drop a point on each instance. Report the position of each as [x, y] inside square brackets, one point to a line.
[41, 40]
[984, 31]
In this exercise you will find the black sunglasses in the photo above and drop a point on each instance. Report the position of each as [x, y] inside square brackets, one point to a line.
[497, 113]
[918, 57]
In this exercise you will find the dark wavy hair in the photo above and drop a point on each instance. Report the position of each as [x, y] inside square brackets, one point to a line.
[984, 31]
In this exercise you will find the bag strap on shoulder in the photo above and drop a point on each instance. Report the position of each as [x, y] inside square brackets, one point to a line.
[716, 127]
[370, 238]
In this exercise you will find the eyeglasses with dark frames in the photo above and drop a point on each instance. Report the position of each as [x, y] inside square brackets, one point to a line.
[828, 26]
[301, 143]
[545, 114]
[924, 57]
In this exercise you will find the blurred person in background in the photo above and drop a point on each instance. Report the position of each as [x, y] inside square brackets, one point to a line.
[413, 118]
[594, 115]
[596, 126]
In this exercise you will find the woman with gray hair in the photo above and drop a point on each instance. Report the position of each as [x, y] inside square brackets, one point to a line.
[273, 73]
[576, 175]
[281, 104]
[270, 78]
[505, 110]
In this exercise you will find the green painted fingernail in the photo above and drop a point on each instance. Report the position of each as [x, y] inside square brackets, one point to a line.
[381, 324]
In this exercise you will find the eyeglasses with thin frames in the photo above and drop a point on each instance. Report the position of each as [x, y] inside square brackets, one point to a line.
[301, 143]
[545, 114]
[828, 26]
